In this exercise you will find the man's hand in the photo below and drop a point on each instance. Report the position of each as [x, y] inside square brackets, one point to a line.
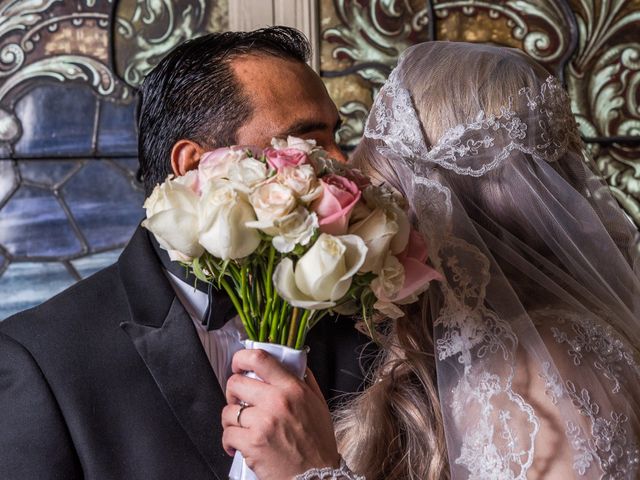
[286, 429]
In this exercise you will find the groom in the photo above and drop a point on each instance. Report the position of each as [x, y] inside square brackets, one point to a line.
[117, 377]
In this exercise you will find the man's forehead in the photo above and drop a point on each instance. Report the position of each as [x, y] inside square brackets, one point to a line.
[271, 79]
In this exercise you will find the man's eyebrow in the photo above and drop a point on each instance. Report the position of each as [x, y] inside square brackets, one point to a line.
[302, 127]
[307, 126]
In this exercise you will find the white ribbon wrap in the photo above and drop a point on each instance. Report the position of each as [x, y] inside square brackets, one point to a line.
[293, 360]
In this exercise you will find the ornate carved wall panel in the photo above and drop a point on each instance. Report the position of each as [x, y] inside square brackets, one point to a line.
[593, 45]
[362, 41]
[69, 200]
[145, 31]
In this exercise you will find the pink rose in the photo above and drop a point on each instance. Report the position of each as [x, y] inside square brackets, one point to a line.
[334, 207]
[417, 274]
[285, 157]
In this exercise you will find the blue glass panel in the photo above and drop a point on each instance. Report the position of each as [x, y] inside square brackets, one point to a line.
[90, 264]
[117, 129]
[129, 164]
[33, 223]
[56, 120]
[47, 172]
[25, 285]
[8, 178]
[105, 204]
[5, 151]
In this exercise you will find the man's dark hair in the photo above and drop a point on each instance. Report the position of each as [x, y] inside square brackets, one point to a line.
[193, 94]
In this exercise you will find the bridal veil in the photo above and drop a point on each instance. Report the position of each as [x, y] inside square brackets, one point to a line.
[536, 324]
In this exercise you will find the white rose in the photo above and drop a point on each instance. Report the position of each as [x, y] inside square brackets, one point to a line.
[323, 275]
[390, 279]
[377, 230]
[223, 213]
[216, 164]
[248, 172]
[302, 181]
[172, 216]
[294, 142]
[297, 228]
[271, 201]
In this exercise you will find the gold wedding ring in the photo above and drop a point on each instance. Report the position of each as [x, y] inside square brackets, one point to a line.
[243, 405]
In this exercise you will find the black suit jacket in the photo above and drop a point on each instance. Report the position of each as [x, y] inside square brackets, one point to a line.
[108, 380]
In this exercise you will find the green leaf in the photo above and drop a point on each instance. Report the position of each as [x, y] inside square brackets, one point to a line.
[197, 271]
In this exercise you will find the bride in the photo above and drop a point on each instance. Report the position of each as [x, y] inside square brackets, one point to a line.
[524, 361]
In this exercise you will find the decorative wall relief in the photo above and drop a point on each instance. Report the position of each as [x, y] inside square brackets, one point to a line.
[593, 45]
[604, 81]
[146, 30]
[362, 45]
[545, 29]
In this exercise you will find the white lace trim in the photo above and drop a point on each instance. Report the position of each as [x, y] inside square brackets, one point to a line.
[470, 148]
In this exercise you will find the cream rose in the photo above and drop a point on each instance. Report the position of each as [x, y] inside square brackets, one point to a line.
[323, 275]
[302, 181]
[248, 172]
[387, 285]
[172, 217]
[388, 309]
[390, 201]
[271, 201]
[390, 279]
[377, 230]
[297, 228]
[223, 213]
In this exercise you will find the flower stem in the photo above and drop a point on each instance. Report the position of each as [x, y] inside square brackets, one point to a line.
[282, 328]
[265, 322]
[302, 330]
[275, 319]
[269, 282]
[293, 327]
[244, 277]
[234, 299]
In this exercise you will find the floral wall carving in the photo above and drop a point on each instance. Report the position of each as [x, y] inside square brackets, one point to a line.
[593, 45]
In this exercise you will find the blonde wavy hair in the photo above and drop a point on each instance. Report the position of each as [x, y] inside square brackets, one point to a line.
[394, 429]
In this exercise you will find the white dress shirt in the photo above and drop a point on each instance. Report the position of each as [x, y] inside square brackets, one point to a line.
[219, 345]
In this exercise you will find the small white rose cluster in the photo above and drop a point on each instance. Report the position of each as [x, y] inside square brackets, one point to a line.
[329, 225]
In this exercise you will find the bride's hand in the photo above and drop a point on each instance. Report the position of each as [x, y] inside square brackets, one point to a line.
[286, 429]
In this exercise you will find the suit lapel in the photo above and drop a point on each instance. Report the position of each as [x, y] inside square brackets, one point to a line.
[165, 338]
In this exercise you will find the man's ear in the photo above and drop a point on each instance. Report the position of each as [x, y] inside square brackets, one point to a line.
[185, 156]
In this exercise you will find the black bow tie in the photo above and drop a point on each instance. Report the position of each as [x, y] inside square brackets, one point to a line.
[219, 310]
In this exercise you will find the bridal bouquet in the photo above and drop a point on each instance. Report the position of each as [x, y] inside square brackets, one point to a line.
[290, 235]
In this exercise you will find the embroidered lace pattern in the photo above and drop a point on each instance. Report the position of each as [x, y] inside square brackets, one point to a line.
[471, 148]
[328, 473]
[609, 441]
[491, 447]
[584, 335]
[395, 122]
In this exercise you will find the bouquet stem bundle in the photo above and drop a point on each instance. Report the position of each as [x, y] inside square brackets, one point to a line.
[265, 315]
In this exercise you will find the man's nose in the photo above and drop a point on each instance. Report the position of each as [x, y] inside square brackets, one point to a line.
[336, 152]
